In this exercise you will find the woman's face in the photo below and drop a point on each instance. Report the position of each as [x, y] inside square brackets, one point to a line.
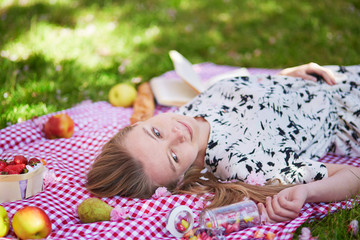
[168, 144]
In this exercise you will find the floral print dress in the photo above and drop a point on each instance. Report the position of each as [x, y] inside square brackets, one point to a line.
[279, 126]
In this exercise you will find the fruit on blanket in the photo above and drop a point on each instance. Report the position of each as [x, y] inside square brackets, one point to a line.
[31, 223]
[20, 159]
[2, 165]
[4, 222]
[14, 169]
[122, 95]
[59, 126]
[94, 210]
[34, 161]
[18, 165]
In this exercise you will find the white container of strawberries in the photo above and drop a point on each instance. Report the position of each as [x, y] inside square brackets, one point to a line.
[20, 177]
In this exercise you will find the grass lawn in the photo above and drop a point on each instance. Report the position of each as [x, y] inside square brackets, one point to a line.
[333, 226]
[57, 53]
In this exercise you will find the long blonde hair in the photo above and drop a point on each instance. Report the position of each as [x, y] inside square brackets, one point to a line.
[196, 182]
[116, 172]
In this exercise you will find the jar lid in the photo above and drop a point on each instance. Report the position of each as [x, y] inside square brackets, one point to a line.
[177, 216]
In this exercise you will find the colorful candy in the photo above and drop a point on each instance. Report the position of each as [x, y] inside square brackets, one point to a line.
[215, 223]
[259, 234]
[180, 227]
[231, 218]
[248, 219]
[184, 223]
[180, 221]
[189, 233]
[270, 236]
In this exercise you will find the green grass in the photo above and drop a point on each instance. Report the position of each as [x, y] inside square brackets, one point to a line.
[57, 53]
[333, 226]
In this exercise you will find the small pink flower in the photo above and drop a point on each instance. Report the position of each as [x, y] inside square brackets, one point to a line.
[200, 204]
[305, 234]
[161, 192]
[49, 178]
[256, 179]
[354, 227]
[119, 213]
[130, 202]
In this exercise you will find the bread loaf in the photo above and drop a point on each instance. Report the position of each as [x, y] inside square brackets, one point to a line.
[144, 104]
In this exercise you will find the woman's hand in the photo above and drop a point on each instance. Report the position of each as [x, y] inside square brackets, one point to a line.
[307, 71]
[284, 206]
[342, 183]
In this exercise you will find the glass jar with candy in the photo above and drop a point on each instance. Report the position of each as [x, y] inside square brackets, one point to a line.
[231, 218]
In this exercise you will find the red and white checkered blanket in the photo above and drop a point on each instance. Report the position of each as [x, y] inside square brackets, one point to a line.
[95, 123]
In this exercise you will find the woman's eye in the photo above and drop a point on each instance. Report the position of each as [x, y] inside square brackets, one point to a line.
[173, 155]
[156, 132]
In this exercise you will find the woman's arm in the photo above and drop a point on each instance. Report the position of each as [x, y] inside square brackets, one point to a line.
[343, 183]
[307, 71]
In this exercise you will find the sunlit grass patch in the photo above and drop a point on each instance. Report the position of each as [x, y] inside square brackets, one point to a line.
[60, 52]
[23, 112]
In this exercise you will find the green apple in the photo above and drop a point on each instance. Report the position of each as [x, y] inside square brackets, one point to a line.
[4, 222]
[31, 223]
[122, 95]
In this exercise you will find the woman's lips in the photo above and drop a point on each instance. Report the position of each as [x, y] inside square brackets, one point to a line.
[188, 128]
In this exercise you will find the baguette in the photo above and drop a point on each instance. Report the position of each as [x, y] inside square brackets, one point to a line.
[144, 104]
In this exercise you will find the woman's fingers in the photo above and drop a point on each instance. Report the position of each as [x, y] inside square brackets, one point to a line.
[325, 73]
[304, 75]
[278, 213]
[294, 206]
[329, 77]
[284, 207]
[307, 71]
[263, 214]
[271, 212]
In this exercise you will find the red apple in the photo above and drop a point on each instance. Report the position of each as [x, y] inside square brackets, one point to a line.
[20, 159]
[31, 223]
[59, 126]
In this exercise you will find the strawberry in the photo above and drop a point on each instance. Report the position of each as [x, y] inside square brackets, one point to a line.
[14, 169]
[2, 165]
[33, 161]
[20, 159]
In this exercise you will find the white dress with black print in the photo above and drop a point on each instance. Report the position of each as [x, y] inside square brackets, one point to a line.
[279, 126]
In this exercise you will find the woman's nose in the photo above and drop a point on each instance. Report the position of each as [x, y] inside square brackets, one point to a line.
[178, 135]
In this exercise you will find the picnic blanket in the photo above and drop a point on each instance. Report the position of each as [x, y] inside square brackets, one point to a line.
[69, 160]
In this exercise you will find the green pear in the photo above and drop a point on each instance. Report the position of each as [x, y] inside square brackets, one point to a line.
[4, 222]
[93, 210]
